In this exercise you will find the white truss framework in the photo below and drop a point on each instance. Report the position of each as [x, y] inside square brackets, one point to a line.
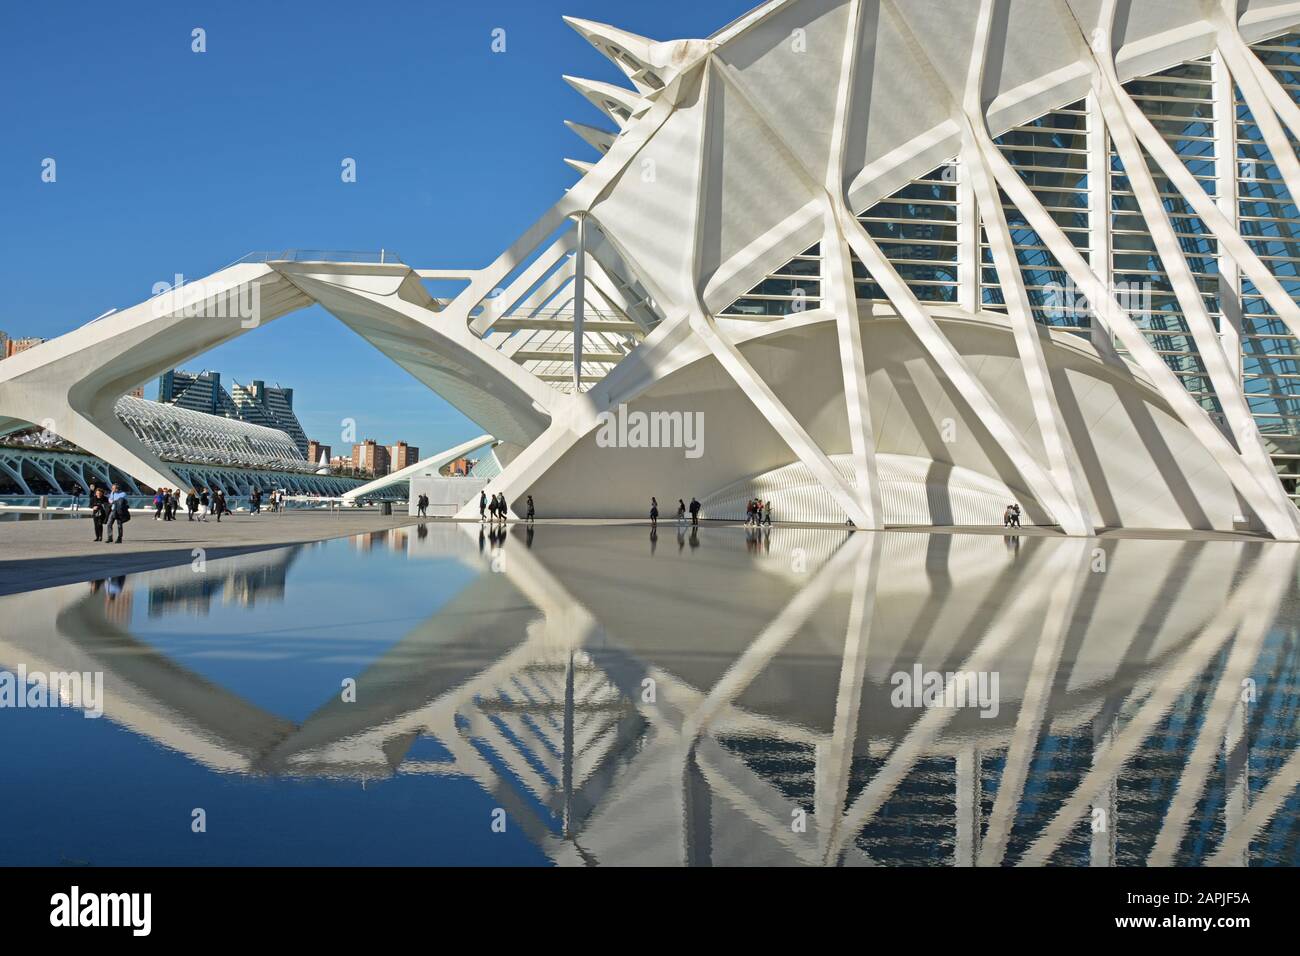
[873, 347]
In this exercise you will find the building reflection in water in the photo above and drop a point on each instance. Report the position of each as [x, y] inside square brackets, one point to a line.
[738, 701]
[190, 589]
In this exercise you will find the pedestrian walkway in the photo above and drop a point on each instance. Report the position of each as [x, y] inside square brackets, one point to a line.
[39, 554]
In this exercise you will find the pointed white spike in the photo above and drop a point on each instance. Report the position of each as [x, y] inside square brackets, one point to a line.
[620, 103]
[580, 166]
[630, 53]
[598, 139]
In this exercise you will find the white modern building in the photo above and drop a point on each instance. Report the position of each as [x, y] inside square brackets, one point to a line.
[887, 261]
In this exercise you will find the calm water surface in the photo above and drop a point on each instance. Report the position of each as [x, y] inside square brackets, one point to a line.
[605, 697]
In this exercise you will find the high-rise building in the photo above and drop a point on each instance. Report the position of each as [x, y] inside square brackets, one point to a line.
[371, 458]
[318, 453]
[257, 403]
[402, 456]
[197, 391]
[269, 405]
[4, 342]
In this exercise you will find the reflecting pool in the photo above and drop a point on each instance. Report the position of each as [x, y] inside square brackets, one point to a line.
[583, 695]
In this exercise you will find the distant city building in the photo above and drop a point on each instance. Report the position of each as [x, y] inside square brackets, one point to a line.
[137, 392]
[341, 465]
[14, 346]
[198, 392]
[256, 403]
[201, 450]
[371, 458]
[269, 405]
[402, 456]
[459, 467]
[4, 342]
[316, 451]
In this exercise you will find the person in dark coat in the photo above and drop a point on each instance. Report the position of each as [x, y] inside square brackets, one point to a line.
[192, 502]
[99, 512]
[532, 513]
[654, 512]
[695, 513]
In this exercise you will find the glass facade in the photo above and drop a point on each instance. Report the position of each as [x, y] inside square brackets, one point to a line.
[919, 229]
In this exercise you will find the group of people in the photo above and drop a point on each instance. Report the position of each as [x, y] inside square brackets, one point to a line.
[1011, 517]
[495, 509]
[758, 512]
[111, 508]
[681, 512]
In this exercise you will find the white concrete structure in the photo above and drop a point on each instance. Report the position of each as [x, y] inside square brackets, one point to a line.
[832, 238]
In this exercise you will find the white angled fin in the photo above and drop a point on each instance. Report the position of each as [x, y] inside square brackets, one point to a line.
[598, 139]
[619, 103]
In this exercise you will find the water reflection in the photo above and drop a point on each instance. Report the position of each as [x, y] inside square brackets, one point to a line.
[742, 701]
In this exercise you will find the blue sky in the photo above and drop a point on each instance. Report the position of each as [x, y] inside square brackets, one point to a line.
[170, 161]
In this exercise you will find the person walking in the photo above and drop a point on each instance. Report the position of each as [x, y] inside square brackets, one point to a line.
[169, 504]
[255, 502]
[695, 513]
[219, 503]
[192, 502]
[99, 512]
[505, 512]
[681, 511]
[767, 513]
[422, 506]
[76, 499]
[654, 512]
[157, 504]
[119, 513]
[482, 505]
[205, 499]
[532, 513]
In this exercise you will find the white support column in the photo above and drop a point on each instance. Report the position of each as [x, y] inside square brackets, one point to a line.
[1230, 241]
[737, 366]
[1099, 219]
[579, 299]
[1187, 409]
[1227, 385]
[835, 758]
[1236, 785]
[1256, 478]
[971, 389]
[840, 294]
[1270, 128]
[1101, 848]
[967, 799]
[970, 266]
[1278, 98]
[1062, 460]
[1225, 196]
